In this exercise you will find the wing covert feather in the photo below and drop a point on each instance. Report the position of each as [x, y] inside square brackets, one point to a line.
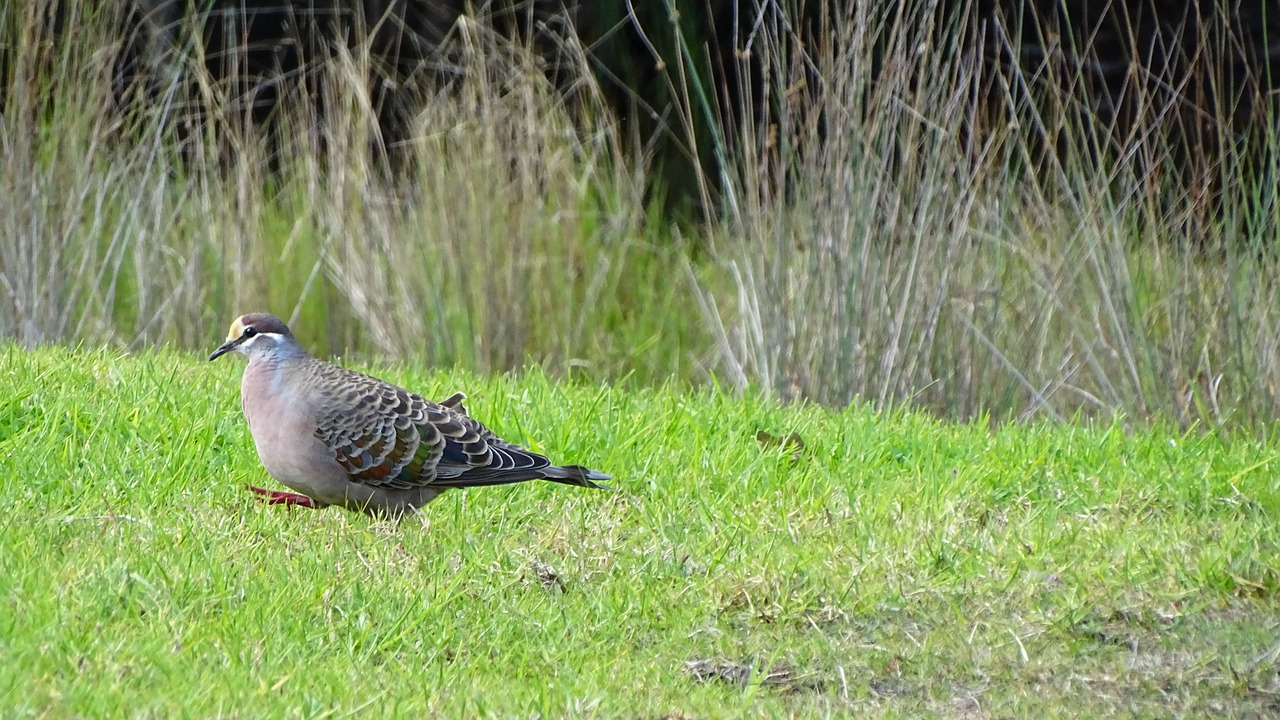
[387, 437]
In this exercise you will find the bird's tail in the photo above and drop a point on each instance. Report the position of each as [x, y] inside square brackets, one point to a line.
[575, 475]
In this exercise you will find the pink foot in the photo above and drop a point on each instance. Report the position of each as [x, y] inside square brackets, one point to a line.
[280, 497]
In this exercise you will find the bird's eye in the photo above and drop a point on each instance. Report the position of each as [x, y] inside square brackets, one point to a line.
[250, 331]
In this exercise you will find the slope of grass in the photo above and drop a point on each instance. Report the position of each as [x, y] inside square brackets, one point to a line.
[893, 566]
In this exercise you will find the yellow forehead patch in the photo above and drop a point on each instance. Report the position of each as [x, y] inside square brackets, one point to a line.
[237, 328]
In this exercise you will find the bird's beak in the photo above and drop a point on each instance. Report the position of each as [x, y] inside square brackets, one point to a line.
[224, 348]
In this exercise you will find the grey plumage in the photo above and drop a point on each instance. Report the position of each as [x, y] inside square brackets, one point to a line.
[340, 437]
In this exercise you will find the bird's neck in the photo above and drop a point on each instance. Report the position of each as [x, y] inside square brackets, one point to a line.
[267, 370]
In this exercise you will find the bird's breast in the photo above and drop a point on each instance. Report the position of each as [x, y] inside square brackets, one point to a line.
[268, 401]
[283, 424]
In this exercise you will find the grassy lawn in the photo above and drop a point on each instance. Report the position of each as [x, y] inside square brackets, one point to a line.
[893, 566]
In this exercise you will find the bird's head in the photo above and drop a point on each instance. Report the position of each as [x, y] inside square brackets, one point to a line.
[256, 335]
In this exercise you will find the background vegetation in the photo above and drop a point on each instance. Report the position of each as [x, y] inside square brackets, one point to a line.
[900, 203]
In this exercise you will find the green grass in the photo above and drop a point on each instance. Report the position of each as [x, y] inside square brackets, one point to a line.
[897, 566]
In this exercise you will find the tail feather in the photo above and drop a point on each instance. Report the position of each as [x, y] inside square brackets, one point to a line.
[566, 474]
[575, 475]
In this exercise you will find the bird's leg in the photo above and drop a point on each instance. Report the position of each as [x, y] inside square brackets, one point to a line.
[281, 497]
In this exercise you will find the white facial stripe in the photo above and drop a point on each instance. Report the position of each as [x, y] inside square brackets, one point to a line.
[275, 338]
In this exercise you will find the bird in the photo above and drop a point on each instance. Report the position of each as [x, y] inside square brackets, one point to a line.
[338, 437]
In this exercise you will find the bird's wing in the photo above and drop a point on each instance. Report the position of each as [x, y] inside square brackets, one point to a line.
[454, 402]
[473, 455]
[387, 437]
